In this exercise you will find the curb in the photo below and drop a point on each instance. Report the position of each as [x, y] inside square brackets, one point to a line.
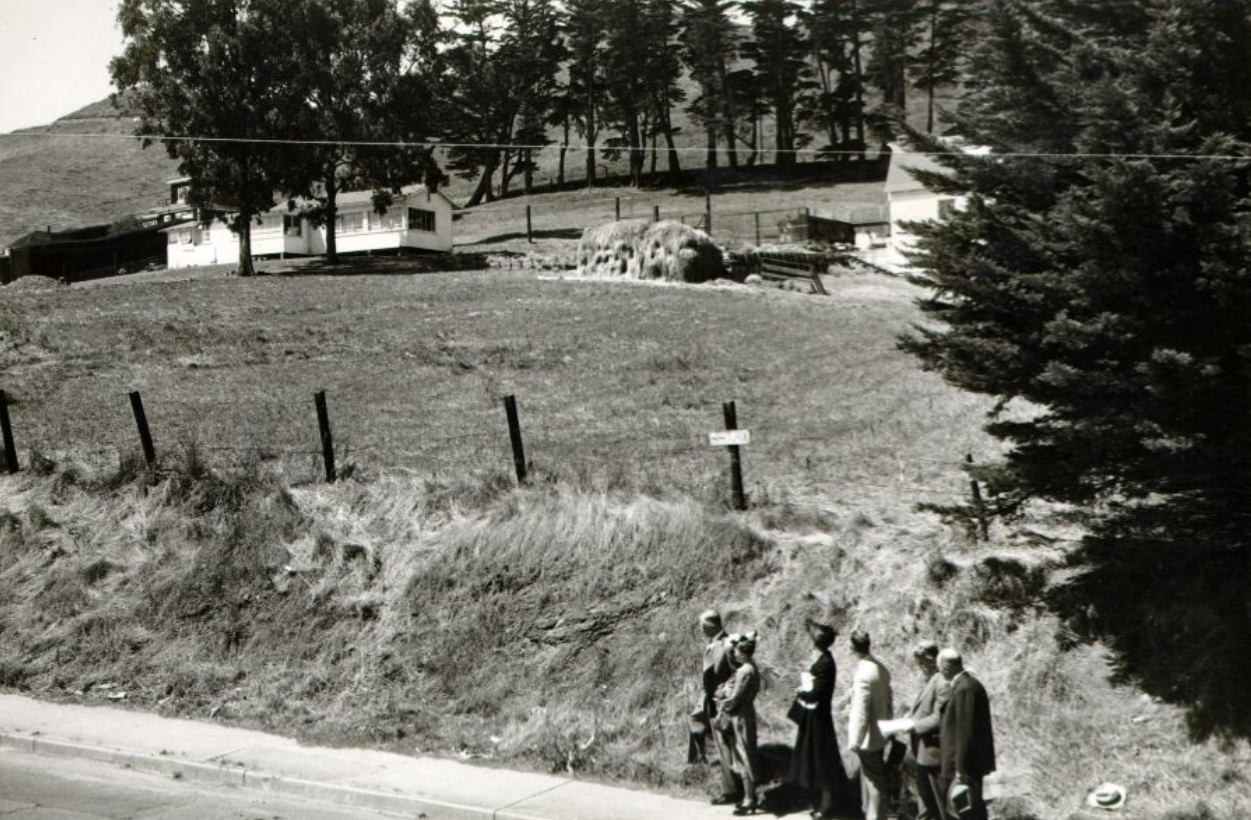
[254, 779]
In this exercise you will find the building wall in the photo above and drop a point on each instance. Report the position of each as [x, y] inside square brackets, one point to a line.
[361, 230]
[915, 206]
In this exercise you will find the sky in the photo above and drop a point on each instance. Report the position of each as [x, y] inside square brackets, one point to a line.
[54, 58]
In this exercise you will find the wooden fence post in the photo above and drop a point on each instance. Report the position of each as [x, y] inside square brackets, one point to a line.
[514, 436]
[736, 465]
[141, 421]
[757, 219]
[327, 439]
[978, 504]
[655, 213]
[708, 211]
[6, 430]
[616, 208]
[529, 226]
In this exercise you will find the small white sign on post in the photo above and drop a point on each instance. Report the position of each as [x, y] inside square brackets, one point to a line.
[729, 438]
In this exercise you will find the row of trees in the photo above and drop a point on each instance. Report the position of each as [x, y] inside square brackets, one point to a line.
[615, 72]
[495, 78]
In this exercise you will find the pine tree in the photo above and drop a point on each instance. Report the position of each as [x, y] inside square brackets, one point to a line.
[894, 33]
[584, 45]
[1097, 285]
[709, 45]
[778, 51]
[944, 27]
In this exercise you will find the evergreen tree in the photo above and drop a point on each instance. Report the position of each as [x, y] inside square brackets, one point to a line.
[664, 70]
[1097, 285]
[584, 45]
[626, 56]
[203, 68]
[501, 78]
[778, 51]
[709, 45]
[837, 31]
[894, 32]
[944, 27]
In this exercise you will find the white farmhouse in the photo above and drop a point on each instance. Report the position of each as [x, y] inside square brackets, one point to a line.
[417, 218]
[907, 200]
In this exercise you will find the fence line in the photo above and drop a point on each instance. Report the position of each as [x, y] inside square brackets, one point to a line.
[551, 452]
[743, 227]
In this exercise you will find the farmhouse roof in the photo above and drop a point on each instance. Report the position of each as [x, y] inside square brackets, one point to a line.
[899, 176]
[367, 197]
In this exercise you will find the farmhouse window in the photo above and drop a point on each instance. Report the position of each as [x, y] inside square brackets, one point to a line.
[419, 220]
[946, 208]
[201, 236]
[353, 222]
[292, 225]
[392, 220]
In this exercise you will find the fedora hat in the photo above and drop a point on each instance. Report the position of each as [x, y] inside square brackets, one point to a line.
[1108, 796]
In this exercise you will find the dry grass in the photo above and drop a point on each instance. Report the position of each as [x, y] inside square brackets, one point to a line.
[425, 604]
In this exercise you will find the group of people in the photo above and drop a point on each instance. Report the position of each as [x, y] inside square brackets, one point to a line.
[946, 737]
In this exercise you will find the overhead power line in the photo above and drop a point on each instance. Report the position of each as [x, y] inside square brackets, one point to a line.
[617, 148]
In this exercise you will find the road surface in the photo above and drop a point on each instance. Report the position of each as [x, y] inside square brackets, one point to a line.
[35, 787]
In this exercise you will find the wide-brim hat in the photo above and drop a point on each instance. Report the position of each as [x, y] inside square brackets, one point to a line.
[1109, 796]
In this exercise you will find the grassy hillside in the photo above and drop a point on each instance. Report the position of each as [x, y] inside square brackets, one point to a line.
[51, 178]
[425, 604]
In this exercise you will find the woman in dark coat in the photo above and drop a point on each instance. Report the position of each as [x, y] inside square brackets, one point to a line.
[817, 765]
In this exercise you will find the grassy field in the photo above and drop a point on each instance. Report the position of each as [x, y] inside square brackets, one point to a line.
[424, 604]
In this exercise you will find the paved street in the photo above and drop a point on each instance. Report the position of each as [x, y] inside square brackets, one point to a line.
[35, 787]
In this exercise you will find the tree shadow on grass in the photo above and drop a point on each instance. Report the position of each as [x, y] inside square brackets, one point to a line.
[402, 265]
[545, 233]
[1167, 591]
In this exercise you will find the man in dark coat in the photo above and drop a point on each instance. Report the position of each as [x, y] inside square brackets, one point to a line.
[717, 670]
[923, 746]
[967, 739]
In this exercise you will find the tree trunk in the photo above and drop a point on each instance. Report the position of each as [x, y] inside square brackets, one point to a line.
[710, 160]
[483, 189]
[527, 172]
[332, 213]
[245, 221]
[506, 172]
[858, 80]
[727, 116]
[564, 146]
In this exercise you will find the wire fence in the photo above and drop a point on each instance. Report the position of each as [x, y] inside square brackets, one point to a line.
[306, 442]
[730, 228]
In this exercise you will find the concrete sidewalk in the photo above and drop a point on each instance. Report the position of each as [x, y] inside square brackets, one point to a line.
[379, 781]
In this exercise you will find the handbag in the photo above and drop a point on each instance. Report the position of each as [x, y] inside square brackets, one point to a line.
[795, 714]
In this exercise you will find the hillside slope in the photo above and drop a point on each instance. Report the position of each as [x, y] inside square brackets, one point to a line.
[51, 178]
[424, 602]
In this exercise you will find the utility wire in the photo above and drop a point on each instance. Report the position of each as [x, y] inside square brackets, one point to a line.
[642, 148]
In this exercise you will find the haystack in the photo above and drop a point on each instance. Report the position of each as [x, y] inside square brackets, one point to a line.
[644, 250]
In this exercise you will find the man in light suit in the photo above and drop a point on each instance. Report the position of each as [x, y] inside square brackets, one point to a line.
[717, 670]
[967, 738]
[870, 702]
[923, 746]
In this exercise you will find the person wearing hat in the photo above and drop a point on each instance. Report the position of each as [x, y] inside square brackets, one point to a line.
[736, 706]
[924, 747]
[871, 702]
[816, 765]
[717, 670]
[967, 739]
